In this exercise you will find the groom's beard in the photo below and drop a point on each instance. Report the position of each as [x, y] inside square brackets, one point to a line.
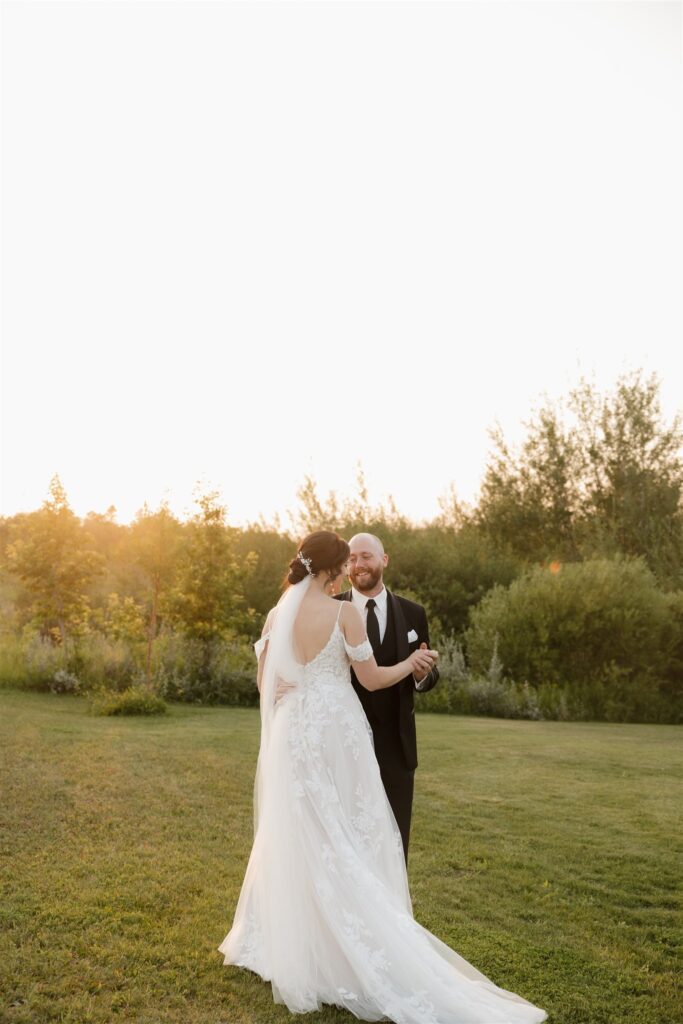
[367, 581]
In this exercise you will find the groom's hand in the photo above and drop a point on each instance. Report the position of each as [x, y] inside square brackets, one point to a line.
[432, 656]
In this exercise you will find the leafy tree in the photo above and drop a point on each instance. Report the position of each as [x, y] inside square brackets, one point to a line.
[270, 552]
[529, 500]
[352, 515]
[111, 540]
[51, 555]
[154, 544]
[632, 475]
[207, 601]
[122, 619]
[447, 570]
[313, 512]
[610, 482]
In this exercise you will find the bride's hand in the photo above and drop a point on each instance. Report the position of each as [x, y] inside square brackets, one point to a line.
[422, 661]
[282, 688]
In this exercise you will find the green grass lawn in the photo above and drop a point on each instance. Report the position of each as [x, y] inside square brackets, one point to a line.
[543, 852]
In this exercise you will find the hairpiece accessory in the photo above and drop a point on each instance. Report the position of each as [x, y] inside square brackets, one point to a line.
[306, 561]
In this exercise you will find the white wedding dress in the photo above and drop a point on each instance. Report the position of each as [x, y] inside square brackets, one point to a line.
[324, 913]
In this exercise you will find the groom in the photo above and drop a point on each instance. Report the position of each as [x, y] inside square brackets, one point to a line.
[396, 627]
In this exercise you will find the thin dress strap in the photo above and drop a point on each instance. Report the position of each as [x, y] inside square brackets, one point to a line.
[341, 605]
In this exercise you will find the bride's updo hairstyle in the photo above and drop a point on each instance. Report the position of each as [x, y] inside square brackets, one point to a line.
[322, 551]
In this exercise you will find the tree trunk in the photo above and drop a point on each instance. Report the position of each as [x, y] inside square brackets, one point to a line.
[151, 635]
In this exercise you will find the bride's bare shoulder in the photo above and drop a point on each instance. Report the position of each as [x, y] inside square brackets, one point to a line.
[349, 616]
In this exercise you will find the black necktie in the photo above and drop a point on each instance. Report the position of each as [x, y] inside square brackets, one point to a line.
[372, 625]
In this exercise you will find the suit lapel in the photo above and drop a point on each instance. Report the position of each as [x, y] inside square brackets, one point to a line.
[402, 645]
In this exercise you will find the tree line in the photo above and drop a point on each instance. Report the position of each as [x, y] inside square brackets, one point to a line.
[565, 578]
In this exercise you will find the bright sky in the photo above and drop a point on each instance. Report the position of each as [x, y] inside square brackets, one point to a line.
[243, 242]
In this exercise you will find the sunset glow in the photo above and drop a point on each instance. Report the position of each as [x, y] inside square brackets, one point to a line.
[247, 242]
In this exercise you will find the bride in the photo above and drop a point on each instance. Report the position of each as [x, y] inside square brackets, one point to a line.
[324, 913]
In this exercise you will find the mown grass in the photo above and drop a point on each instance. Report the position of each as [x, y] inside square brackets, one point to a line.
[546, 853]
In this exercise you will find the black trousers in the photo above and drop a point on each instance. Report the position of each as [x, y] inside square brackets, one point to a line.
[398, 780]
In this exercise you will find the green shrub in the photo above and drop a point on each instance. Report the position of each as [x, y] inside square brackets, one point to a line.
[109, 663]
[205, 672]
[183, 669]
[453, 673]
[600, 634]
[37, 660]
[498, 698]
[34, 662]
[673, 642]
[65, 682]
[135, 700]
[459, 692]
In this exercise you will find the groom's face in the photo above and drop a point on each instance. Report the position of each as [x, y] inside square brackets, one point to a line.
[366, 566]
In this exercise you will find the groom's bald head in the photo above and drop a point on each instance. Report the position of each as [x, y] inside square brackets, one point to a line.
[367, 561]
[367, 540]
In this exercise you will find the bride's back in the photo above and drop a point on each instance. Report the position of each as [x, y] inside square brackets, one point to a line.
[314, 625]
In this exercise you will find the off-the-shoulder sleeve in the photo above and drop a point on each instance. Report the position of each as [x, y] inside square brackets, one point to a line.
[362, 652]
[260, 644]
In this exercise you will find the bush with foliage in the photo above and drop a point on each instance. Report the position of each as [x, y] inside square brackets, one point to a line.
[600, 632]
[135, 700]
[460, 692]
[205, 672]
[29, 661]
[35, 662]
[65, 682]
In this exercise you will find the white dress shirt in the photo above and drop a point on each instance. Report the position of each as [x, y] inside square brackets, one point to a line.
[360, 601]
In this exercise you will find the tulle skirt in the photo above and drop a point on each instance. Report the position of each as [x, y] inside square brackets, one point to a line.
[324, 913]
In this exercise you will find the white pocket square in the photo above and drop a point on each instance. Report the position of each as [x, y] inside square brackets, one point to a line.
[412, 636]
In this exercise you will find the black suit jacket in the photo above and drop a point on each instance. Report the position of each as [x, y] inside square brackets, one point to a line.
[393, 707]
